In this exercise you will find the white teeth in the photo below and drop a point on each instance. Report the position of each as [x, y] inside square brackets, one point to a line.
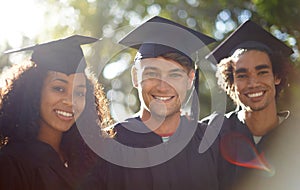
[65, 114]
[254, 95]
[163, 98]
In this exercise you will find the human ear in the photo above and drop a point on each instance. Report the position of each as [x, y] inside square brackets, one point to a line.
[134, 78]
[277, 80]
[191, 77]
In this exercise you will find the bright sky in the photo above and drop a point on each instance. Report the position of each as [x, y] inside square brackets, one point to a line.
[20, 17]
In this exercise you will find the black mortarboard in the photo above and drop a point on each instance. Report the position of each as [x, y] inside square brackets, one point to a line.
[159, 35]
[249, 35]
[63, 55]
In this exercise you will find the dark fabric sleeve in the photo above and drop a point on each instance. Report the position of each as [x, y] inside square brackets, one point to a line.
[96, 178]
[227, 172]
[10, 174]
[222, 126]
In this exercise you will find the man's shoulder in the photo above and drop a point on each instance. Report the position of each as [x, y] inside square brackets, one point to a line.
[132, 122]
[222, 122]
[134, 133]
[128, 120]
[218, 115]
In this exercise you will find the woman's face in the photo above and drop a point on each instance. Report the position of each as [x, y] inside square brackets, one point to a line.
[62, 100]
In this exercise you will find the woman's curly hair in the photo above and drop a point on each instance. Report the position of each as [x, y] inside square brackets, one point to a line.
[280, 65]
[20, 113]
[20, 102]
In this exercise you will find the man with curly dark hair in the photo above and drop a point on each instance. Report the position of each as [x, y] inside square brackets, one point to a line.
[252, 68]
[225, 74]
[41, 107]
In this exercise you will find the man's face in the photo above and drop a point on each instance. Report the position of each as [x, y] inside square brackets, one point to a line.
[162, 85]
[254, 80]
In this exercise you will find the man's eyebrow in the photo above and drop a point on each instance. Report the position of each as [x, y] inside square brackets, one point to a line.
[263, 66]
[170, 71]
[150, 68]
[177, 70]
[241, 70]
[258, 67]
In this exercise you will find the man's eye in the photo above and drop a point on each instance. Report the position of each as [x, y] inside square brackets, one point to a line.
[152, 74]
[175, 75]
[241, 76]
[263, 72]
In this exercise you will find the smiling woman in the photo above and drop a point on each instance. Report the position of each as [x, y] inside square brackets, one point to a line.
[40, 107]
[57, 114]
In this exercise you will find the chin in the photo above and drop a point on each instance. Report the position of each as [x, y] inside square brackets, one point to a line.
[158, 113]
[65, 128]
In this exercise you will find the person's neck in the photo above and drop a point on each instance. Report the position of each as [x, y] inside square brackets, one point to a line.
[261, 122]
[161, 125]
[52, 138]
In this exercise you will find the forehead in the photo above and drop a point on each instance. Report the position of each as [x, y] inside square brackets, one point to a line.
[161, 64]
[74, 79]
[251, 59]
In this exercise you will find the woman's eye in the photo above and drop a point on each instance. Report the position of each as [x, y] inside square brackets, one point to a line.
[58, 89]
[80, 94]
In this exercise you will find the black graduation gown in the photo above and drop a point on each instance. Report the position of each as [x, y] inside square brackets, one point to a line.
[188, 169]
[32, 166]
[278, 150]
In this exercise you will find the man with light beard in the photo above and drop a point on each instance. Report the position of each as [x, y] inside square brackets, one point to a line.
[158, 148]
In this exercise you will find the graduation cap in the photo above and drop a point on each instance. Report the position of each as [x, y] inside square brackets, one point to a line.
[249, 35]
[63, 55]
[158, 36]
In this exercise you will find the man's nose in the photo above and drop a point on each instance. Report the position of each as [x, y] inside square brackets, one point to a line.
[163, 84]
[253, 81]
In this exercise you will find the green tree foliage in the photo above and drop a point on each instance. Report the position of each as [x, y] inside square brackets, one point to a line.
[112, 19]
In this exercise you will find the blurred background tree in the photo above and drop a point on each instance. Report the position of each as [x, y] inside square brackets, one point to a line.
[112, 19]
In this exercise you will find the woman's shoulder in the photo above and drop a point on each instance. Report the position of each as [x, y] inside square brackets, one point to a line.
[14, 159]
[29, 153]
[14, 149]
